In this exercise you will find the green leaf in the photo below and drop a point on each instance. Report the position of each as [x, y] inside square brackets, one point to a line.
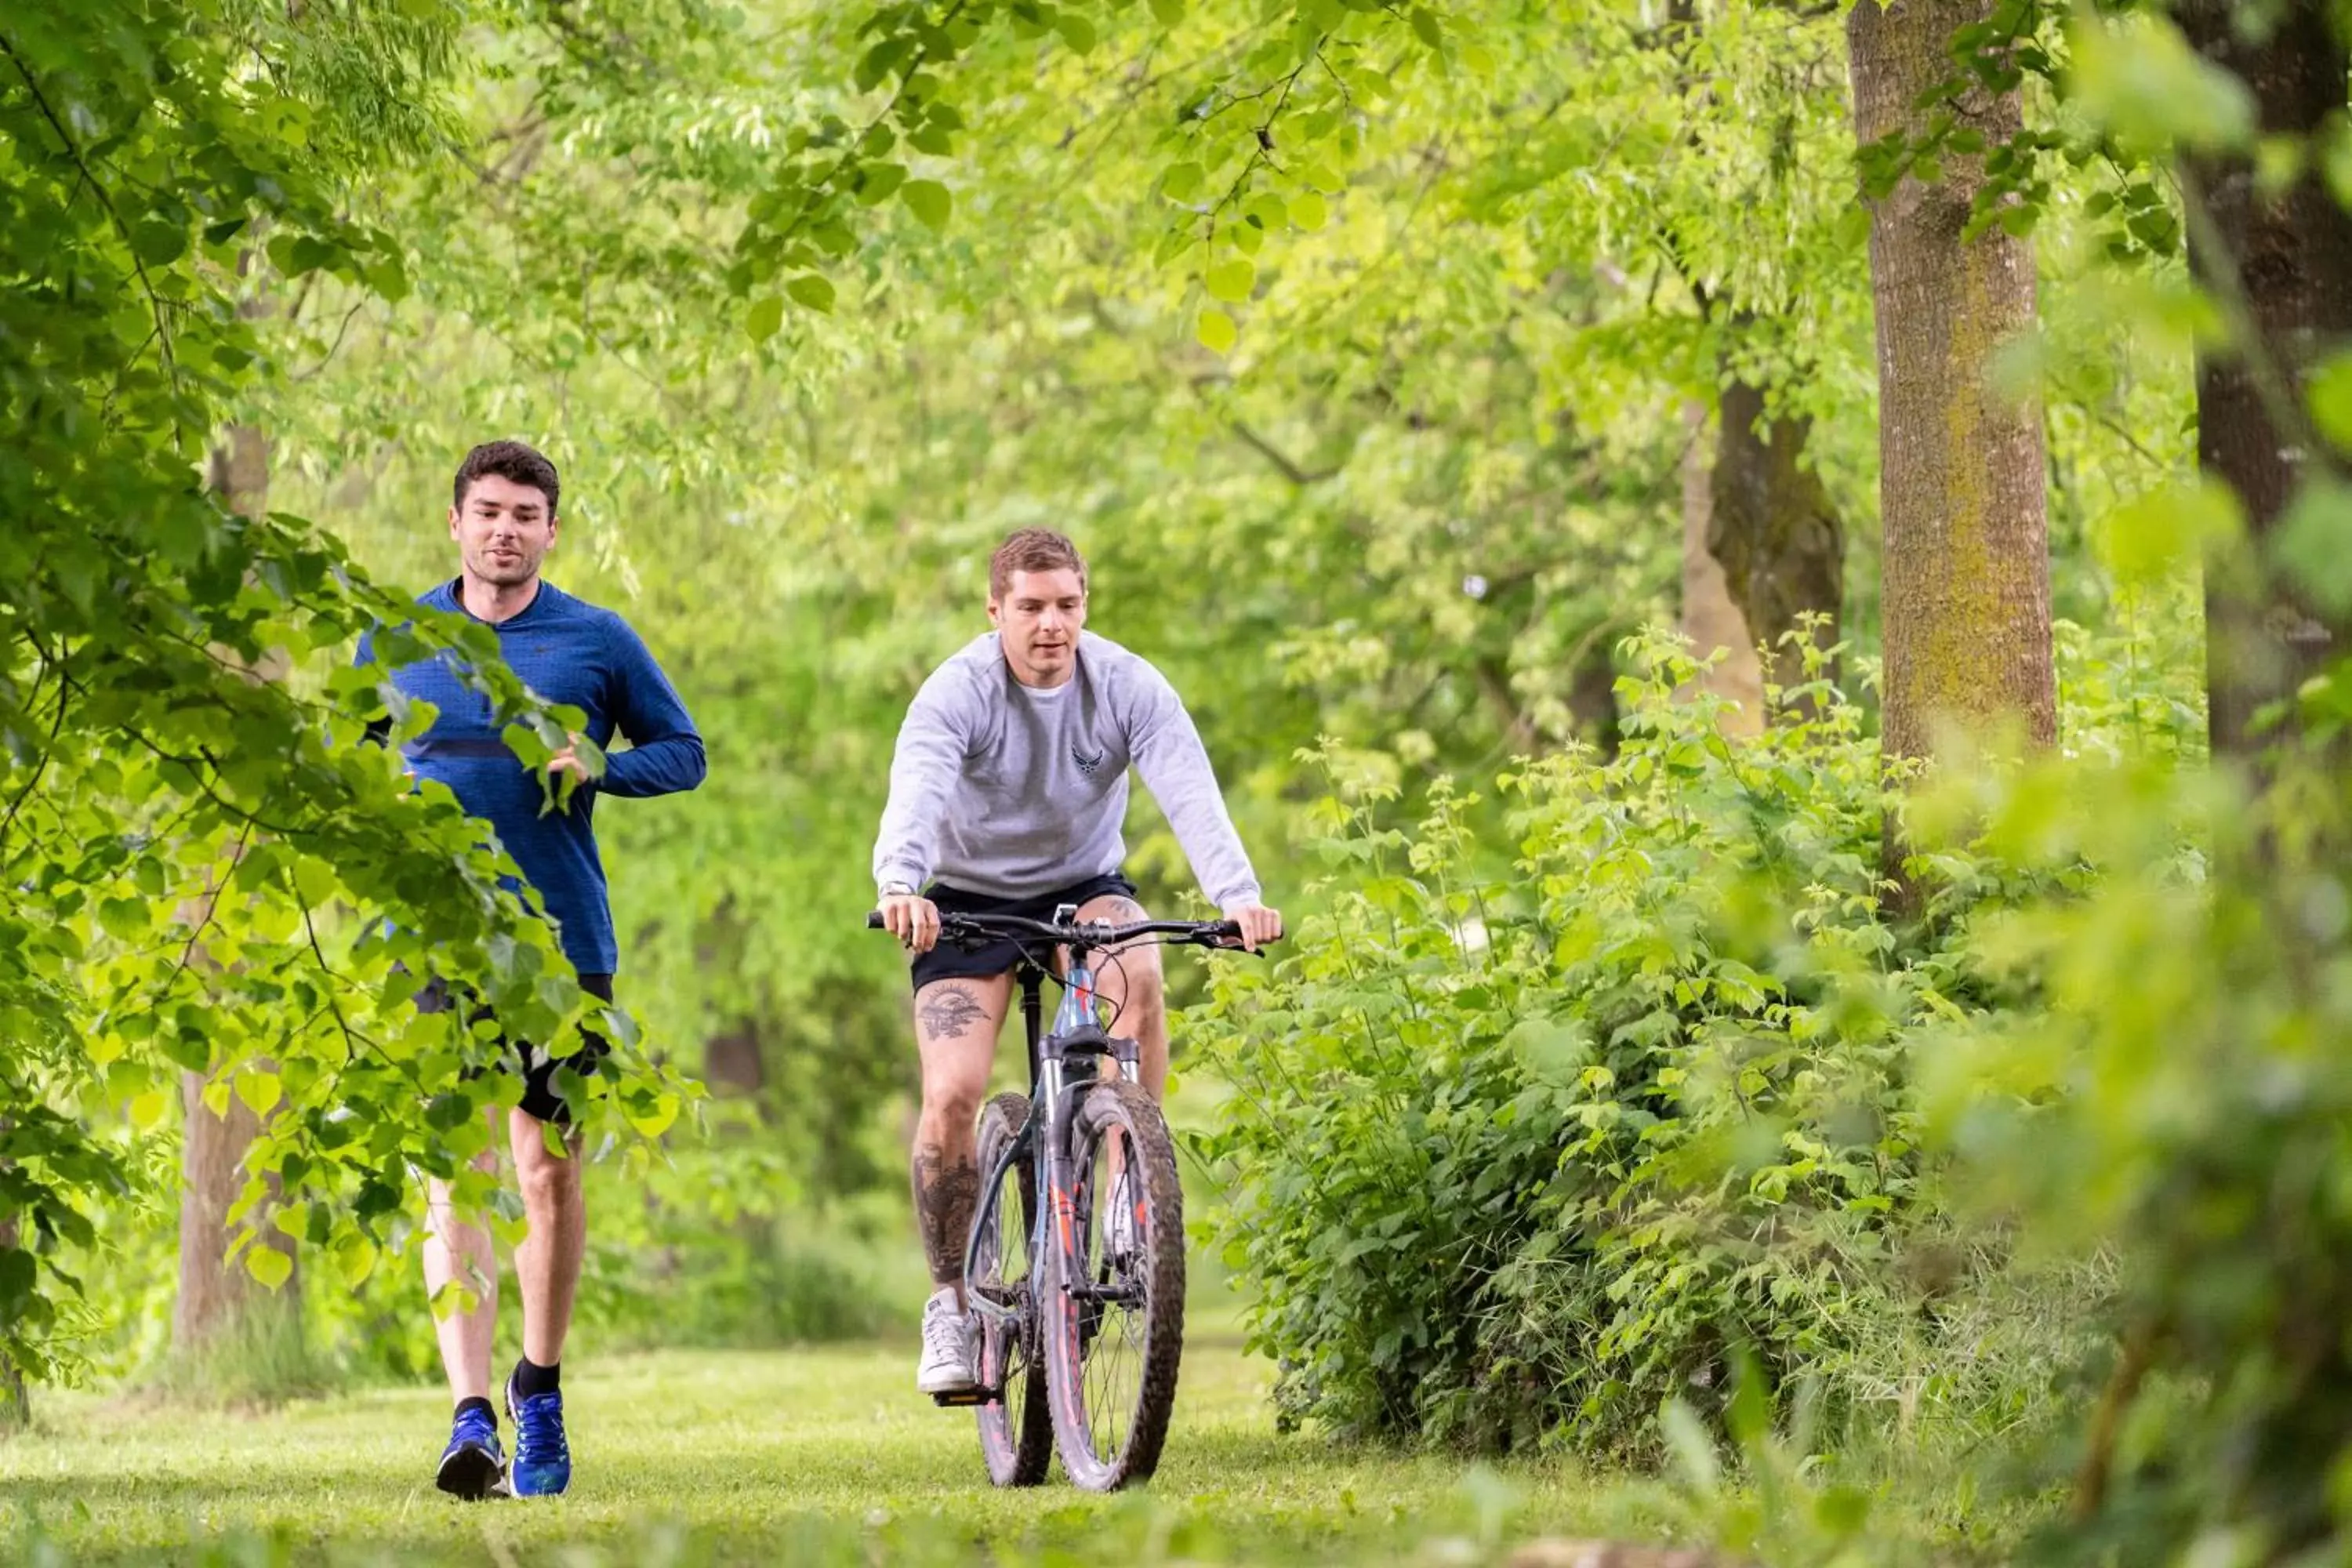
[2313, 544]
[929, 201]
[314, 880]
[813, 289]
[268, 1265]
[2139, 78]
[1267, 210]
[260, 1090]
[1168, 13]
[125, 920]
[1176, 244]
[355, 1259]
[1309, 211]
[159, 244]
[655, 1120]
[878, 62]
[1076, 30]
[2330, 395]
[1181, 183]
[876, 182]
[310, 254]
[1426, 27]
[1232, 280]
[767, 314]
[1216, 331]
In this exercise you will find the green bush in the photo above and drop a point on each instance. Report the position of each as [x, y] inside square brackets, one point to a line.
[1531, 1150]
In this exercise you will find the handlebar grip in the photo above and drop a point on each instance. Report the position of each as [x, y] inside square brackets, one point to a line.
[874, 919]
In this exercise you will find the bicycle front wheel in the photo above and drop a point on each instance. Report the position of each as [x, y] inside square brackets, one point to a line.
[1115, 1298]
[1016, 1436]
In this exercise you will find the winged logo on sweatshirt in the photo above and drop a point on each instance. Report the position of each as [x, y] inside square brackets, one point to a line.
[1087, 764]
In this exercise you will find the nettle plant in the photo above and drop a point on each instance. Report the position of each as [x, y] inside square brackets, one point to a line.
[1529, 1148]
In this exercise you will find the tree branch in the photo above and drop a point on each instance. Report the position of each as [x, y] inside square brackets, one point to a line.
[1282, 463]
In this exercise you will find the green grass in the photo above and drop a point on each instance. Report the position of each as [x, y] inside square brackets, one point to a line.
[819, 1455]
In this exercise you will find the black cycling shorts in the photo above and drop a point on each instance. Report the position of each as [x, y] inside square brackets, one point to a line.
[537, 1069]
[946, 961]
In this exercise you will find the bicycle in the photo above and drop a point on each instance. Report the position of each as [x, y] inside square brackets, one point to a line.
[1066, 1294]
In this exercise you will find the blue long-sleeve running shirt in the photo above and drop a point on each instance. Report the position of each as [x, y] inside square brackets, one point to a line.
[566, 651]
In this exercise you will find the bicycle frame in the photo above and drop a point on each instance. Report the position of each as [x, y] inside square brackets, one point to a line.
[1063, 1065]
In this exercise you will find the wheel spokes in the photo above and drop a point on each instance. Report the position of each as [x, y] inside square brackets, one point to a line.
[1116, 1313]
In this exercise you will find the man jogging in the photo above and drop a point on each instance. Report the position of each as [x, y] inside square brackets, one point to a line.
[1009, 786]
[503, 520]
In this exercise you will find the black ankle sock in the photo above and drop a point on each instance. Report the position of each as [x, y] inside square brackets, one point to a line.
[530, 1378]
[478, 1402]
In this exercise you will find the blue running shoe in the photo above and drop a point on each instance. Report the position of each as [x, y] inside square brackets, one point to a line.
[472, 1465]
[542, 1460]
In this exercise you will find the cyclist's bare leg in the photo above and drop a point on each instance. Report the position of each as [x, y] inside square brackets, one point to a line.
[956, 1023]
[1130, 981]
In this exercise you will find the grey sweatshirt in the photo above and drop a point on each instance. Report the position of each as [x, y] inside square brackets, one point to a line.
[1012, 791]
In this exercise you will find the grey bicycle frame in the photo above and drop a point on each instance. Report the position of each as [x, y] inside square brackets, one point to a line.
[1063, 1066]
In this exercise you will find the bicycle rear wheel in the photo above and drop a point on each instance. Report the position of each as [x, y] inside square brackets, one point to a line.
[1115, 1305]
[1016, 1434]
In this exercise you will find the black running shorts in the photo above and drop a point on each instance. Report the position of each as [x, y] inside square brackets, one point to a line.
[537, 1069]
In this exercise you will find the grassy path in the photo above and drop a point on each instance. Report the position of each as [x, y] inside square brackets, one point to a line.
[812, 1455]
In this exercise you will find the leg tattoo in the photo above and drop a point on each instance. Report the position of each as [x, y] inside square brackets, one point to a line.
[949, 1014]
[945, 1196]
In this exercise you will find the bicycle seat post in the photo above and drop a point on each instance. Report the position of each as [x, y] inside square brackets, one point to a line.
[1033, 982]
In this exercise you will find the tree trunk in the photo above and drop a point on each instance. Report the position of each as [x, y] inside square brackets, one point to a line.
[1711, 619]
[16, 1401]
[2281, 266]
[1965, 559]
[1773, 529]
[216, 1296]
[731, 1060]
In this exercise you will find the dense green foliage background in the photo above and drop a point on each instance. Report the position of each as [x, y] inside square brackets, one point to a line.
[1623, 1090]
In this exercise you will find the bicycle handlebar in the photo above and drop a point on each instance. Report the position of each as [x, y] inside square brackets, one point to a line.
[1085, 933]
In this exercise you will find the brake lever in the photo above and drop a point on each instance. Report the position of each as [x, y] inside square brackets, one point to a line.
[1234, 945]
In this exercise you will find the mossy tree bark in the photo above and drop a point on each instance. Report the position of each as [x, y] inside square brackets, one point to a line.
[1966, 555]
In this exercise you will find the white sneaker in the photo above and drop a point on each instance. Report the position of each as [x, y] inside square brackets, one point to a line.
[950, 1347]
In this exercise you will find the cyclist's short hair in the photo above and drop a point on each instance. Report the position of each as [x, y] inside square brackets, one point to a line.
[1032, 549]
[509, 460]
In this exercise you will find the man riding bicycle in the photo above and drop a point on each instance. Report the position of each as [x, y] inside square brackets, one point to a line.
[1009, 787]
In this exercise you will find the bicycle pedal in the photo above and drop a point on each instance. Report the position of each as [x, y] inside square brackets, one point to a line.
[963, 1398]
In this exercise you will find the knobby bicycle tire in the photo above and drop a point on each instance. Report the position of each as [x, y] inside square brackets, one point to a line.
[1016, 1432]
[1107, 1437]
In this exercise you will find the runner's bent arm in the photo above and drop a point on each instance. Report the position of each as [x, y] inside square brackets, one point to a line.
[665, 752]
